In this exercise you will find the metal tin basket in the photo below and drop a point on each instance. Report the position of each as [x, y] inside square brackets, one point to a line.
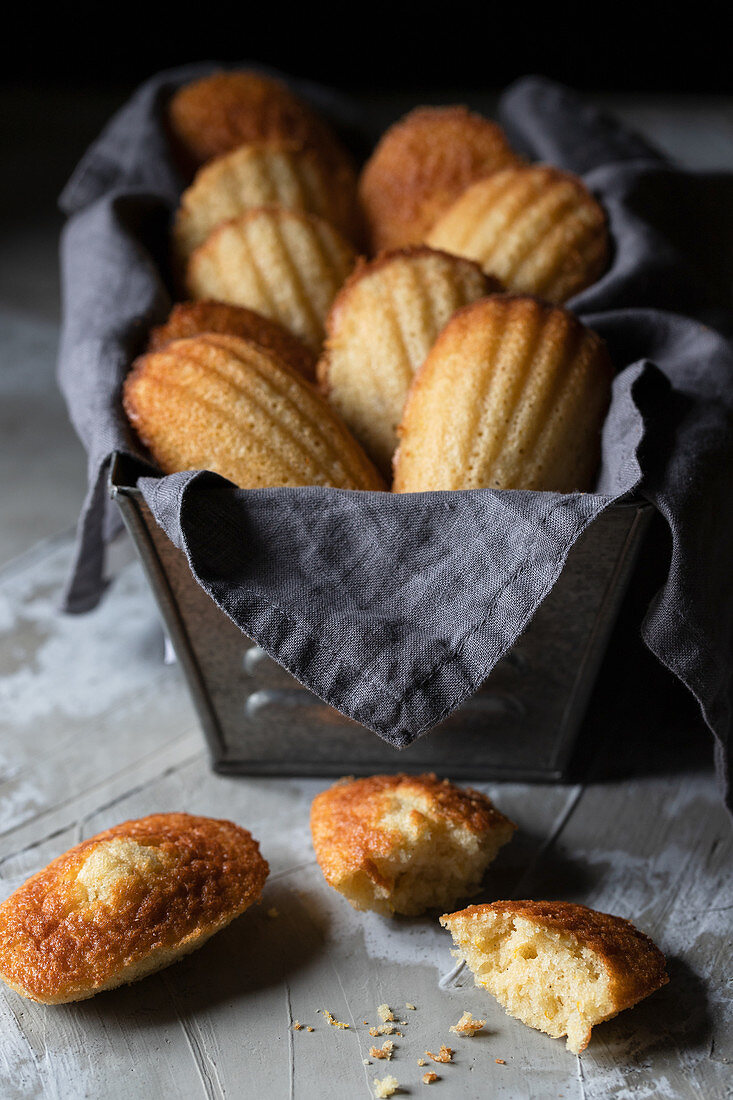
[522, 724]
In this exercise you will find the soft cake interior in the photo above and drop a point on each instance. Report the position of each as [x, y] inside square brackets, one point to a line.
[432, 861]
[542, 977]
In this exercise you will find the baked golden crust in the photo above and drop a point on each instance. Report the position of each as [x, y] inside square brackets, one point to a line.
[223, 404]
[285, 265]
[381, 840]
[125, 903]
[421, 165]
[536, 228]
[380, 328]
[512, 396]
[211, 116]
[605, 964]
[196, 318]
[263, 174]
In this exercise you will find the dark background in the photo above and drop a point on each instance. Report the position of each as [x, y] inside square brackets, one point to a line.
[613, 47]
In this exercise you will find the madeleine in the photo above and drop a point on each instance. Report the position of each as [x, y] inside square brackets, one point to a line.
[536, 228]
[286, 265]
[405, 844]
[513, 395]
[558, 967]
[420, 167]
[126, 903]
[221, 403]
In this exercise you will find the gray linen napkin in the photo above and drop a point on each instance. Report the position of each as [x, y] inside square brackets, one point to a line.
[394, 609]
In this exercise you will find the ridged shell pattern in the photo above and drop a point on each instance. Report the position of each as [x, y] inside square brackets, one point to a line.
[512, 396]
[220, 403]
[537, 229]
[380, 329]
[260, 175]
[283, 264]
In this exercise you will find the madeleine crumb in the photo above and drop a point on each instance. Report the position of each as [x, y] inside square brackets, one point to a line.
[309, 1028]
[385, 1051]
[468, 1025]
[445, 1054]
[430, 1077]
[421, 1062]
[413, 1008]
[385, 1088]
[365, 1062]
[500, 1061]
[332, 1019]
[273, 913]
[384, 1029]
[385, 1013]
[297, 1026]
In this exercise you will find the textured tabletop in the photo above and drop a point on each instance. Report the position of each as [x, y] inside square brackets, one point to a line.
[96, 729]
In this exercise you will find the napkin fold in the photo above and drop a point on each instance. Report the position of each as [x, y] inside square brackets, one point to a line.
[394, 609]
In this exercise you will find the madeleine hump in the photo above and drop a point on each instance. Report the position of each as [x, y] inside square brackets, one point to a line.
[126, 903]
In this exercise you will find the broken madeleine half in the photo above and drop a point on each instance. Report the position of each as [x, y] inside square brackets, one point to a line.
[421, 165]
[404, 844]
[219, 112]
[556, 966]
[379, 330]
[261, 174]
[196, 318]
[126, 903]
[512, 395]
[282, 263]
[221, 403]
[537, 229]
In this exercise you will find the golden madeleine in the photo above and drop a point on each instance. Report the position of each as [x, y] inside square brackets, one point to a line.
[195, 318]
[262, 174]
[536, 228]
[126, 903]
[283, 264]
[381, 327]
[222, 403]
[558, 967]
[215, 114]
[421, 165]
[405, 843]
[512, 396]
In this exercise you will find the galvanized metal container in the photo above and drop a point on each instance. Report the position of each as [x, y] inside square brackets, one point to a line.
[522, 724]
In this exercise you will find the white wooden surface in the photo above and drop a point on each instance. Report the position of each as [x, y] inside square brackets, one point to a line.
[94, 729]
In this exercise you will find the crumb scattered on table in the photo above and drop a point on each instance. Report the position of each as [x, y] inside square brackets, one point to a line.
[332, 1019]
[468, 1025]
[385, 1029]
[445, 1054]
[385, 1088]
[428, 1078]
[385, 1013]
[408, 1005]
[385, 1051]
[421, 1062]
[500, 1061]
